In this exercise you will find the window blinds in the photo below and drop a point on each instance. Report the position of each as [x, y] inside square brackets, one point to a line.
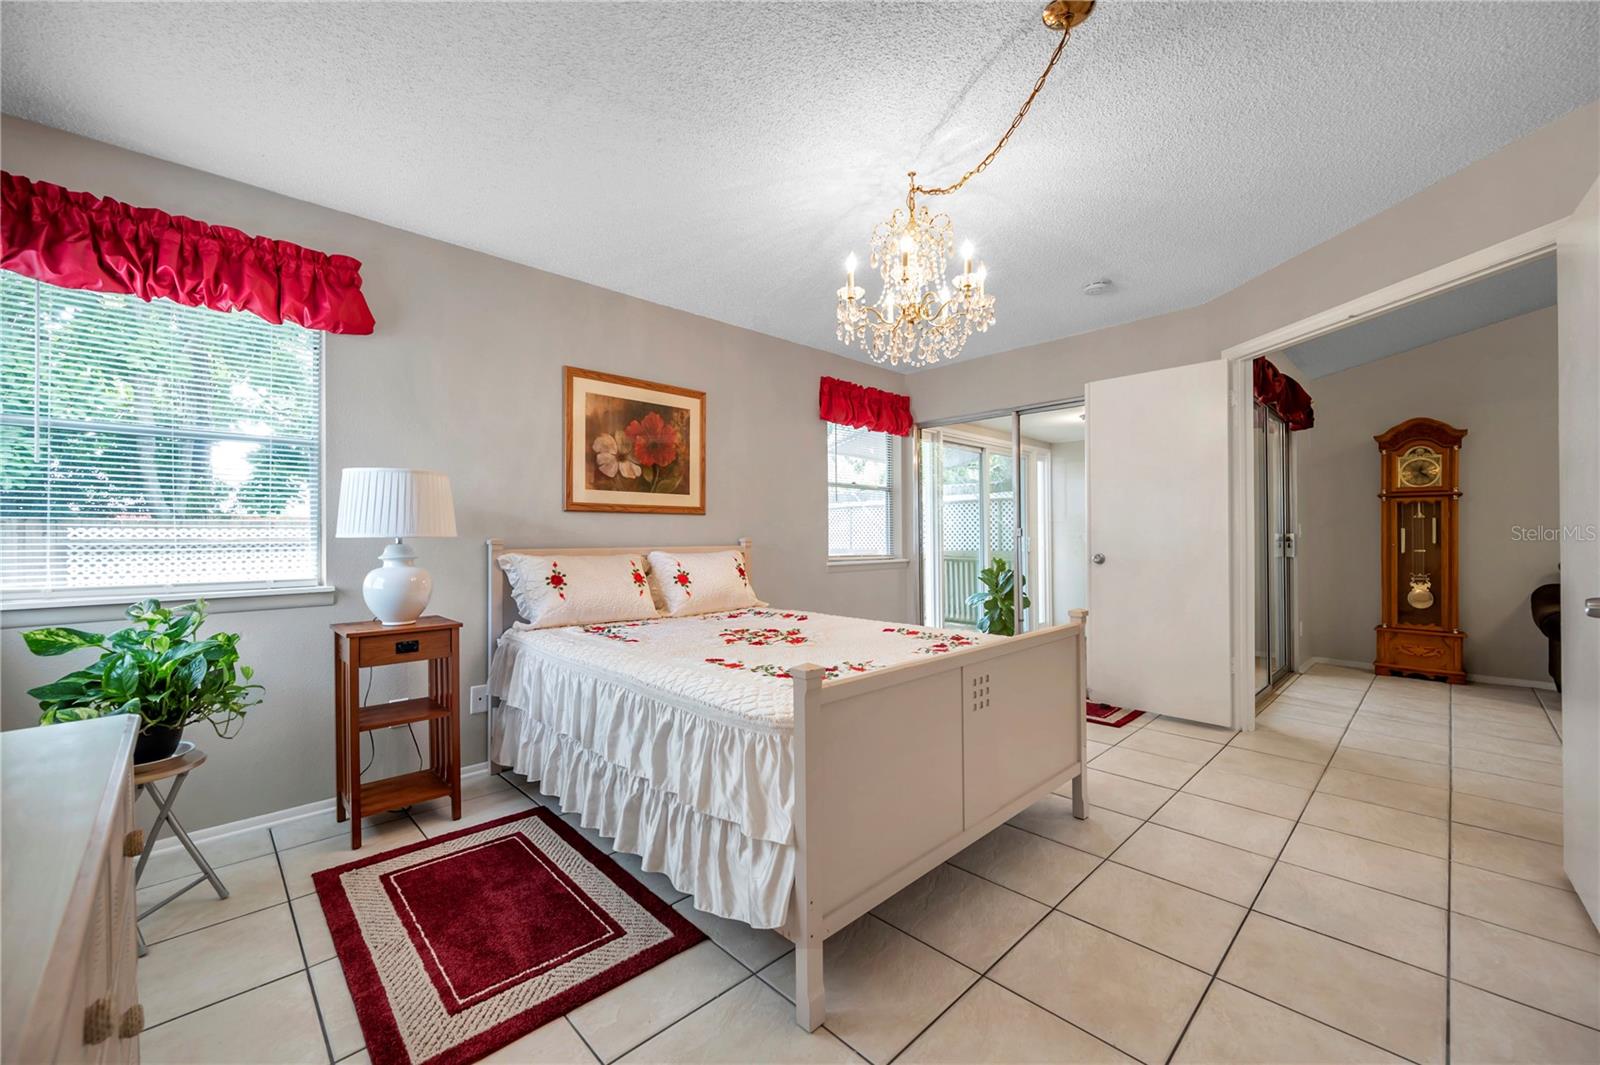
[153, 448]
[861, 492]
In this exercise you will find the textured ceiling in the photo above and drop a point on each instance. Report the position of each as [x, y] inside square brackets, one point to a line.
[1491, 299]
[723, 158]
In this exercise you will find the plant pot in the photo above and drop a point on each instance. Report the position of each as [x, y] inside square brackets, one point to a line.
[156, 742]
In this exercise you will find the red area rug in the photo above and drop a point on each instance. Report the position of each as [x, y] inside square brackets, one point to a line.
[1114, 716]
[456, 946]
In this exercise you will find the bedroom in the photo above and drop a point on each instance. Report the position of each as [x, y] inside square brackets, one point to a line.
[530, 187]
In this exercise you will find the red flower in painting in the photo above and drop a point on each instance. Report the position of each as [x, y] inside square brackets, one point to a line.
[655, 441]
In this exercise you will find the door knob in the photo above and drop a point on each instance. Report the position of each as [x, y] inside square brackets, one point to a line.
[1591, 606]
[1098, 559]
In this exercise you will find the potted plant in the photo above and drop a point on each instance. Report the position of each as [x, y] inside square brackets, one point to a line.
[159, 668]
[996, 599]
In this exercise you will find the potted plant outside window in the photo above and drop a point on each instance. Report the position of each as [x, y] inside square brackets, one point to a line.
[159, 668]
[996, 599]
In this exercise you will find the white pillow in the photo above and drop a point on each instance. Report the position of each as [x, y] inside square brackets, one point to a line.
[701, 582]
[553, 590]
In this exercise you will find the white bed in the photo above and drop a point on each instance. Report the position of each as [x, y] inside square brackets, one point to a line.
[787, 769]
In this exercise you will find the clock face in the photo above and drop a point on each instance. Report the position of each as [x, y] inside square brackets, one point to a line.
[1420, 467]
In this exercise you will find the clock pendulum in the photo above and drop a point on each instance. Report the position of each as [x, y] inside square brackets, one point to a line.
[1421, 594]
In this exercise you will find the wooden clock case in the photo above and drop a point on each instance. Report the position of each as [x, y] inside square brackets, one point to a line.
[1412, 641]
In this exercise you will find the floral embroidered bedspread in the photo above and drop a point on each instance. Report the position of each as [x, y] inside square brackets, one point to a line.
[736, 663]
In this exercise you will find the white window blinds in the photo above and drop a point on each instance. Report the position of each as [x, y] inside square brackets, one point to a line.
[861, 492]
[153, 448]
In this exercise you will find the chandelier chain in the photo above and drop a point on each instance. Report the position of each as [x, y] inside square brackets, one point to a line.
[983, 164]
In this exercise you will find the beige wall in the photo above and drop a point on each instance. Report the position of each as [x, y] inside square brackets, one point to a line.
[1498, 383]
[464, 375]
[1531, 182]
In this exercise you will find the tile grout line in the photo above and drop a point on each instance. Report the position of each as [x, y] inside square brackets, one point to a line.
[305, 959]
[1195, 1012]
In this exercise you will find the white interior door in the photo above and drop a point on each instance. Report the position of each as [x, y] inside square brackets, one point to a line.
[1578, 312]
[1159, 605]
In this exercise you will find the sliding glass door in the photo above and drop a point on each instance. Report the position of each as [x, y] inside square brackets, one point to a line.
[1274, 549]
[990, 496]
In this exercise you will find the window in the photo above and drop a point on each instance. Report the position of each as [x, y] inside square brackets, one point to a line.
[861, 492]
[153, 448]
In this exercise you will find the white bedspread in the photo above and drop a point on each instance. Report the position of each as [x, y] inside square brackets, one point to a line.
[674, 735]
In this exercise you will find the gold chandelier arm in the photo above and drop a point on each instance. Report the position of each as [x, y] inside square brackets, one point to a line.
[944, 190]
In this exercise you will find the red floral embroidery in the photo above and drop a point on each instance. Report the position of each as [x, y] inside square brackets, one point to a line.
[738, 564]
[557, 580]
[762, 637]
[639, 581]
[766, 669]
[615, 631]
[786, 615]
[683, 580]
[949, 642]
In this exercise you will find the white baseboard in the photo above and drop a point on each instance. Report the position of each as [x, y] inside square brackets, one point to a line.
[1473, 678]
[278, 818]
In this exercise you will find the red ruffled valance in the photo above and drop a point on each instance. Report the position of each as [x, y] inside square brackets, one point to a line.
[1283, 395]
[76, 240]
[860, 407]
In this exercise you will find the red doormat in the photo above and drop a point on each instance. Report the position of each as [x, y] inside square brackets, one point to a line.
[456, 946]
[1114, 716]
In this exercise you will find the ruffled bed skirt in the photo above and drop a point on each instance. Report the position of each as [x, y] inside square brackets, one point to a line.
[728, 873]
[737, 773]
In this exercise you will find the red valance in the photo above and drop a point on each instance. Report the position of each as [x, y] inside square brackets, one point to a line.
[860, 407]
[1283, 395]
[76, 240]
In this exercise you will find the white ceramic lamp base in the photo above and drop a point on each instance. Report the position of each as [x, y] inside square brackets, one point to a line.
[398, 591]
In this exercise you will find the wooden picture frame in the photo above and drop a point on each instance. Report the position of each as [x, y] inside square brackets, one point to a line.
[633, 446]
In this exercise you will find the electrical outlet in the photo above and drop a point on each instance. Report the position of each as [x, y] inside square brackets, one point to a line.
[479, 697]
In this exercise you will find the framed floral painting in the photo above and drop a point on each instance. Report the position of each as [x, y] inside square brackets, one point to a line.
[634, 446]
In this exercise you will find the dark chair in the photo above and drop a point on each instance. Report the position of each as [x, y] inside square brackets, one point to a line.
[1545, 602]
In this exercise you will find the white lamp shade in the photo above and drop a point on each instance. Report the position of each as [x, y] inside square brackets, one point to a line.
[376, 501]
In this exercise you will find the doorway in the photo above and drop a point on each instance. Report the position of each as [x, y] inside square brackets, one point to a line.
[1275, 551]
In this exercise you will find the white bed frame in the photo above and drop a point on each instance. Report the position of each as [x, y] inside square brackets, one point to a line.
[900, 769]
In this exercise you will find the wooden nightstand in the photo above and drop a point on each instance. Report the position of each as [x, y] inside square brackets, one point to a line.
[361, 644]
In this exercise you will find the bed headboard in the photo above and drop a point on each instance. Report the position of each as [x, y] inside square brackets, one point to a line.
[502, 611]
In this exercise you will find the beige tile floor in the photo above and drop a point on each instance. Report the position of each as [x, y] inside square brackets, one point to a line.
[1373, 875]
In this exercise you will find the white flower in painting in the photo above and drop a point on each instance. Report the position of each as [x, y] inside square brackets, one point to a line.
[611, 455]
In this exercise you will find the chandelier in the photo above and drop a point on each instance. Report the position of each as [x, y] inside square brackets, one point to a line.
[922, 315]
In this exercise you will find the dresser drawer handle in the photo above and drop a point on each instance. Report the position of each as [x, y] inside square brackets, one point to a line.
[133, 843]
[132, 1021]
[97, 1023]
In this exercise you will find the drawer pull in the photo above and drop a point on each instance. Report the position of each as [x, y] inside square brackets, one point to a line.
[407, 647]
[132, 1021]
[133, 843]
[97, 1023]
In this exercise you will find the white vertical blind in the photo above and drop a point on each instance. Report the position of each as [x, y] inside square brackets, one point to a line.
[153, 448]
[861, 492]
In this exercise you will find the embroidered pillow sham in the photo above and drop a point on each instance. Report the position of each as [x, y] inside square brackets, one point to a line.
[701, 582]
[555, 590]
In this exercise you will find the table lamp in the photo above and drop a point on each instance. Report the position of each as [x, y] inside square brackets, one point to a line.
[384, 502]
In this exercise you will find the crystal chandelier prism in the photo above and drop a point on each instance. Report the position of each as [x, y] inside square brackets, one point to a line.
[923, 315]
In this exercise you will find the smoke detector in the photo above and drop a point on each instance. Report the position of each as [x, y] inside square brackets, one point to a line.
[1097, 288]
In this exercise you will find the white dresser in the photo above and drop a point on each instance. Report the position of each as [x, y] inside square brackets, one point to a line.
[67, 912]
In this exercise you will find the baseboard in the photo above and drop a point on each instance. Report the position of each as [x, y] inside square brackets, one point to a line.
[280, 817]
[1472, 678]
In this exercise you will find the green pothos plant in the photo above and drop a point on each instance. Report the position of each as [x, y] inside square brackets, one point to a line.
[997, 598]
[159, 668]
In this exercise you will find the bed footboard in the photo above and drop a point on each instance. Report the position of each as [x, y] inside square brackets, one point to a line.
[896, 771]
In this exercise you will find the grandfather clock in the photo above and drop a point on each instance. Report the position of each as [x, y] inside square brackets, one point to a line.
[1421, 631]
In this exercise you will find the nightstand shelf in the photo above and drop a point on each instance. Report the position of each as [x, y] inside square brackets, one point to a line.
[408, 789]
[404, 712]
[369, 645]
